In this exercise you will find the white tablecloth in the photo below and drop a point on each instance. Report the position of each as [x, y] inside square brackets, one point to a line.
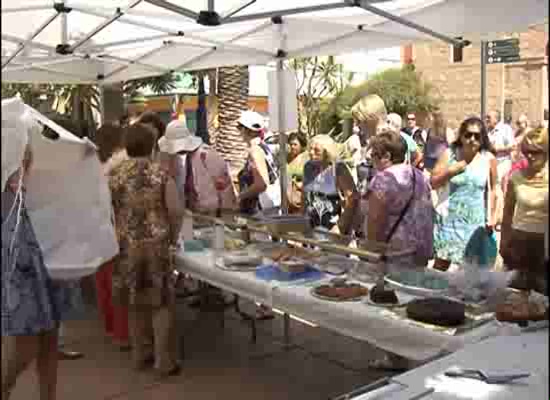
[369, 323]
[201, 266]
[354, 319]
[527, 353]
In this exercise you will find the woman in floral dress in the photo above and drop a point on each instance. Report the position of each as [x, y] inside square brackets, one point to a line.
[469, 170]
[147, 219]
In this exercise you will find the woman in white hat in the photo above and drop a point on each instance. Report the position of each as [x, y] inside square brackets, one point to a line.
[260, 169]
[201, 174]
[259, 172]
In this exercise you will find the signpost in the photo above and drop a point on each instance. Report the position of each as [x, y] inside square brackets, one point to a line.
[503, 51]
[496, 52]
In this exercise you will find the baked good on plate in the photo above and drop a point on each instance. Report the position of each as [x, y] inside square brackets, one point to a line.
[381, 295]
[518, 307]
[345, 291]
[437, 311]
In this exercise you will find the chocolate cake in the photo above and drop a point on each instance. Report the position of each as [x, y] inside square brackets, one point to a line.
[437, 311]
[348, 291]
[381, 295]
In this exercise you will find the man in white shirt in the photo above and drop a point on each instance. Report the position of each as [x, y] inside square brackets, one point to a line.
[502, 139]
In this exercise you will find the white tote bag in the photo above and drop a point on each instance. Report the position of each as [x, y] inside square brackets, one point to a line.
[69, 204]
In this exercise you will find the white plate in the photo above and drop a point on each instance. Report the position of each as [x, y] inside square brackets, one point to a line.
[415, 290]
[220, 263]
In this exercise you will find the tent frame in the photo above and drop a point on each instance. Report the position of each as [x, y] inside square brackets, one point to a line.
[122, 16]
[208, 17]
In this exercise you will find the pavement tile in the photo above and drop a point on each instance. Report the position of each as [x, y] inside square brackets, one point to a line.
[217, 363]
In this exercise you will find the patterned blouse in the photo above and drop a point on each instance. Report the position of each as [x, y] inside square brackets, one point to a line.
[143, 271]
[394, 185]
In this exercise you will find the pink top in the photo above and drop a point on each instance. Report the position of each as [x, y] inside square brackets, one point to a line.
[212, 180]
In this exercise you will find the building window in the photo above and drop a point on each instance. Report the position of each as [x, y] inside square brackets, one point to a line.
[457, 53]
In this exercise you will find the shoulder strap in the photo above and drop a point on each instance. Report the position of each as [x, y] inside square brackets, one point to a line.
[405, 209]
[271, 164]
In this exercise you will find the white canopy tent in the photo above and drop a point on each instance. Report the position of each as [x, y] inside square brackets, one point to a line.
[107, 41]
[118, 40]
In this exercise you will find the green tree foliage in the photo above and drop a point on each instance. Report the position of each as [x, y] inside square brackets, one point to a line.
[317, 78]
[402, 89]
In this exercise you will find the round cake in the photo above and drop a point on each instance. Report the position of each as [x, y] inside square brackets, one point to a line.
[437, 311]
[381, 295]
[348, 291]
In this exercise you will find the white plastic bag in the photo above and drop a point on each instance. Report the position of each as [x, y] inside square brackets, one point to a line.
[271, 198]
[69, 204]
[14, 137]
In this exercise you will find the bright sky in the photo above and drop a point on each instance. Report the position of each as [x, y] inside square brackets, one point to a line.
[362, 64]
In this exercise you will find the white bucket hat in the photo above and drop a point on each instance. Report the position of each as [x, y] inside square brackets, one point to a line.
[252, 120]
[178, 138]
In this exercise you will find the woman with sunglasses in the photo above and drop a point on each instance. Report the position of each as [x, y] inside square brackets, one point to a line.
[526, 215]
[467, 169]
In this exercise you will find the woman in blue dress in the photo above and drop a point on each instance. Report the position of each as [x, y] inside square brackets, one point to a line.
[465, 170]
[32, 304]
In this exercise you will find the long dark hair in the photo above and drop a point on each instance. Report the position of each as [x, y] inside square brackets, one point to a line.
[299, 137]
[485, 144]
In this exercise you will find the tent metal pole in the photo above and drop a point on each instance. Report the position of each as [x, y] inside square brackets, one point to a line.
[238, 37]
[29, 40]
[78, 79]
[218, 43]
[119, 60]
[299, 52]
[46, 6]
[211, 6]
[237, 10]
[283, 148]
[483, 101]
[174, 8]
[60, 60]
[281, 119]
[64, 27]
[282, 13]
[118, 13]
[19, 41]
[142, 57]
[364, 4]
[102, 104]
[140, 40]
[125, 20]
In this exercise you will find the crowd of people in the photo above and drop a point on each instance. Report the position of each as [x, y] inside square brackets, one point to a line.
[399, 186]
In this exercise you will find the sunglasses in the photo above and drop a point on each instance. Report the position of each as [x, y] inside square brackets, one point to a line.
[469, 134]
[411, 119]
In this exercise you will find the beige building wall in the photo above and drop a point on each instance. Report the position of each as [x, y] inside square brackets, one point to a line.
[524, 84]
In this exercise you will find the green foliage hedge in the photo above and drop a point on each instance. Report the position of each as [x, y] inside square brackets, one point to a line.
[402, 89]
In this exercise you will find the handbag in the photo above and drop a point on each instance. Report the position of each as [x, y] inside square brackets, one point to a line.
[271, 197]
[294, 195]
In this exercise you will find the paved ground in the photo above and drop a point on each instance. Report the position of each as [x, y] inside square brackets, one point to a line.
[218, 363]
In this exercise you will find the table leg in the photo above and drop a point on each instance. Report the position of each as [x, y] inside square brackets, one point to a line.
[286, 327]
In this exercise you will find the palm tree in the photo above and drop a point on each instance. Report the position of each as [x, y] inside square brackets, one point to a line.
[233, 98]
